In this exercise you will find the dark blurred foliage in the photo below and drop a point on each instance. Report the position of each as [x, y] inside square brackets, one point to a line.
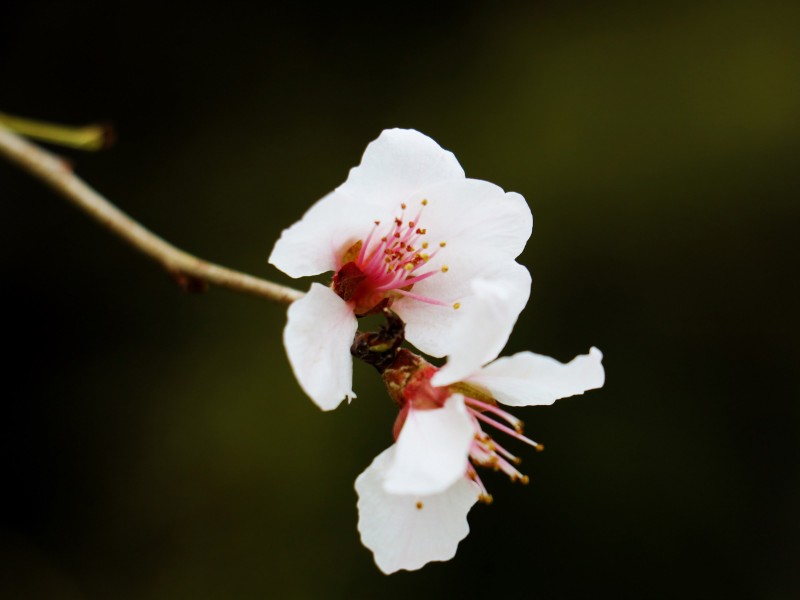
[155, 444]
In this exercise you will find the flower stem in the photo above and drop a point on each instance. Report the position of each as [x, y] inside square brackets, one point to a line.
[188, 270]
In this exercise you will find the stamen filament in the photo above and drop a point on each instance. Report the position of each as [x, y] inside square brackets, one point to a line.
[508, 417]
[425, 299]
[513, 433]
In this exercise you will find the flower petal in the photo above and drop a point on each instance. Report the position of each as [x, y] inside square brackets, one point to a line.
[318, 335]
[441, 330]
[527, 379]
[485, 322]
[316, 242]
[432, 450]
[397, 164]
[408, 531]
[475, 213]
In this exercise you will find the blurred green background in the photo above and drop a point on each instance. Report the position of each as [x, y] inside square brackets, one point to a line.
[155, 444]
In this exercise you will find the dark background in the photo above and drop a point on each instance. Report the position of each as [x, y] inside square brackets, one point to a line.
[155, 444]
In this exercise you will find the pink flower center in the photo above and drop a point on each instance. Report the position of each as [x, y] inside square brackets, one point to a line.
[386, 265]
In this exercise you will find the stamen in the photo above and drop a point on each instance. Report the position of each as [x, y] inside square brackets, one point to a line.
[504, 429]
[445, 268]
[485, 496]
[500, 450]
[406, 282]
[507, 468]
[421, 298]
[485, 406]
[457, 305]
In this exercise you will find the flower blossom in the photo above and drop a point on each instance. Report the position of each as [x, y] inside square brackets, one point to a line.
[415, 496]
[407, 231]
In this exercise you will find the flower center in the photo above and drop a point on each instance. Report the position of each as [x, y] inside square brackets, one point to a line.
[409, 384]
[386, 265]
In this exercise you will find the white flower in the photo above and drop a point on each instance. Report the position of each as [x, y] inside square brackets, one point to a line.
[441, 437]
[407, 230]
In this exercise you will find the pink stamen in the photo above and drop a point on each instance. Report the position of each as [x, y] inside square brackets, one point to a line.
[502, 451]
[507, 468]
[422, 298]
[473, 474]
[513, 433]
[508, 417]
[401, 283]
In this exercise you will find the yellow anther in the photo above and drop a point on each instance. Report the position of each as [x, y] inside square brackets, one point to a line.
[457, 305]
[524, 480]
[445, 268]
[403, 206]
[539, 447]
[419, 505]
[409, 267]
[442, 244]
[424, 256]
[485, 499]
[424, 203]
[424, 245]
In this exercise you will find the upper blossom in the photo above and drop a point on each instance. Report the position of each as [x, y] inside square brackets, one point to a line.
[407, 230]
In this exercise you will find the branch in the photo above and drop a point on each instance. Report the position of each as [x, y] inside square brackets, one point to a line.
[188, 270]
[88, 137]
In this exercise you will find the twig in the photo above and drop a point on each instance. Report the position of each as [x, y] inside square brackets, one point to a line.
[87, 137]
[188, 270]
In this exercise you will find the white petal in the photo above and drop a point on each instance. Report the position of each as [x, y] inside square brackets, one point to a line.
[318, 336]
[442, 330]
[487, 320]
[316, 243]
[432, 449]
[527, 379]
[477, 214]
[397, 164]
[403, 534]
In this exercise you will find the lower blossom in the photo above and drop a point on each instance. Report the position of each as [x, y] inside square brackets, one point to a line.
[415, 496]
